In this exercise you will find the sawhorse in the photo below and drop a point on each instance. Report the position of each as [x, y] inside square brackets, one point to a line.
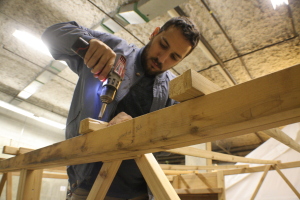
[149, 167]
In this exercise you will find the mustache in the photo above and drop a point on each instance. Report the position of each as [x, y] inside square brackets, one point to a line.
[156, 61]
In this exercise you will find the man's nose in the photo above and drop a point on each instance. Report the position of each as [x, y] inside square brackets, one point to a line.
[162, 57]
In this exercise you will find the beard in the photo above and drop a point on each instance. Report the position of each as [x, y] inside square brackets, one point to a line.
[147, 62]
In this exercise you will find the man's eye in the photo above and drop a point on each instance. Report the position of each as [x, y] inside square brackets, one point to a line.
[163, 46]
[174, 57]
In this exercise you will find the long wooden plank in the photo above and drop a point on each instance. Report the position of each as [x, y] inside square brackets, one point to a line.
[283, 138]
[218, 156]
[213, 167]
[155, 178]
[260, 104]
[104, 179]
[199, 191]
[261, 168]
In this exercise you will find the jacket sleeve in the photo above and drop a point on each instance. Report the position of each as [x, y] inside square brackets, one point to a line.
[60, 37]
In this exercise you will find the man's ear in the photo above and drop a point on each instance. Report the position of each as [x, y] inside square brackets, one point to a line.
[154, 33]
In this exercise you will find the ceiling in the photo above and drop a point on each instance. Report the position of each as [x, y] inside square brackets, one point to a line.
[246, 40]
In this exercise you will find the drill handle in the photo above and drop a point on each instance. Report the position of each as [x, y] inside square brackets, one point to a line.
[80, 47]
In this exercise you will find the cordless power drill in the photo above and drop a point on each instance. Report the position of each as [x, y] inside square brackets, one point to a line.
[112, 81]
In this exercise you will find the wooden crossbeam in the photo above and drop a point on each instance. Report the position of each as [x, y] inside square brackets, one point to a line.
[283, 138]
[213, 167]
[15, 150]
[190, 85]
[218, 156]
[89, 125]
[258, 168]
[264, 103]
[199, 191]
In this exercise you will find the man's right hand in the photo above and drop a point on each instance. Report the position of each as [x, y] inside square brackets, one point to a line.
[99, 58]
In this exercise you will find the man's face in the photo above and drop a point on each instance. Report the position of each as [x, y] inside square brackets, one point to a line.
[165, 50]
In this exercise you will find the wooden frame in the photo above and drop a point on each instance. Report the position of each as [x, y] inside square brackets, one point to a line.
[274, 101]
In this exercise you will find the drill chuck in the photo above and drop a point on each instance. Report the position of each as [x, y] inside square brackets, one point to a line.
[108, 93]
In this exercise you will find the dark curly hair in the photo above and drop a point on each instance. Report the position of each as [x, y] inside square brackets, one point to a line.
[189, 30]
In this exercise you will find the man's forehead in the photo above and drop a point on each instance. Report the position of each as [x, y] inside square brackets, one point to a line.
[176, 41]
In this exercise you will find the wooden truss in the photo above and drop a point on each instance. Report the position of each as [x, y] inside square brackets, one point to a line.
[261, 104]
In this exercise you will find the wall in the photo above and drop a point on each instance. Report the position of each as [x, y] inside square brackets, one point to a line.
[20, 131]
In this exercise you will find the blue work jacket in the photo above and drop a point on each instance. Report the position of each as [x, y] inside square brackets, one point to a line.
[86, 102]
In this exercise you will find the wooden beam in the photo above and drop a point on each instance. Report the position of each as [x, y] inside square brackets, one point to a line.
[221, 184]
[9, 186]
[218, 156]
[104, 179]
[283, 138]
[287, 181]
[15, 150]
[199, 191]
[89, 125]
[239, 171]
[267, 102]
[190, 85]
[212, 167]
[155, 178]
[10, 150]
[267, 168]
[29, 184]
[177, 172]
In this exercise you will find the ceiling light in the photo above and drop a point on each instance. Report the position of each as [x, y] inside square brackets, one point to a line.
[24, 95]
[110, 25]
[278, 3]
[15, 109]
[132, 14]
[31, 115]
[32, 41]
[30, 89]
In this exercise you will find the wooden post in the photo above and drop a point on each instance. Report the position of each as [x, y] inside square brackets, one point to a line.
[30, 184]
[156, 179]
[221, 184]
[9, 186]
[267, 168]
